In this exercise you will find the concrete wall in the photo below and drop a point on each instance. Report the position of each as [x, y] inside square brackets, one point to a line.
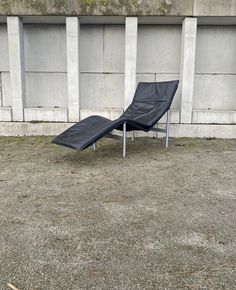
[215, 70]
[102, 69]
[165, 51]
[45, 64]
[4, 67]
[159, 51]
[102, 66]
[120, 8]
[96, 7]
[214, 8]
[4, 58]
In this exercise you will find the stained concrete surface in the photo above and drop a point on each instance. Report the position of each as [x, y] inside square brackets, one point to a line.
[99, 7]
[159, 219]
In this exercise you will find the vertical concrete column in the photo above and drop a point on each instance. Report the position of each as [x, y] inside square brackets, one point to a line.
[1, 102]
[73, 70]
[17, 66]
[189, 33]
[131, 37]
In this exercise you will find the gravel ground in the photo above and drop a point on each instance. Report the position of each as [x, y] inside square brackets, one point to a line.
[158, 219]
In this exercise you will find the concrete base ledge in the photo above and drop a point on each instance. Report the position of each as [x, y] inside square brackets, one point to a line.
[45, 114]
[203, 130]
[176, 130]
[32, 129]
[213, 117]
[5, 114]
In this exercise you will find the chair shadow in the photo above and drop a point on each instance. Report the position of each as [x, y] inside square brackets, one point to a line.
[111, 151]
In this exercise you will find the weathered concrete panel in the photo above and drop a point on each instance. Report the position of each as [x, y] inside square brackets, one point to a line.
[159, 49]
[216, 49]
[215, 8]
[102, 90]
[97, 7]
[111, 114]
[202, 131]
[45, 47]
[174, 117]
[91, 48]
[46, 114]
[6, 89]
[32, 129]
[4, 55]
[216, 92]
[5, 114]
[46, 90]
[145, 78]
[214, 117]
[114, 48]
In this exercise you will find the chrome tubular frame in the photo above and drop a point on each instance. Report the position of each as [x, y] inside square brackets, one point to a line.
[124, 139]
[94, 146]
[166, 130]
[154, 129]
[132, 136]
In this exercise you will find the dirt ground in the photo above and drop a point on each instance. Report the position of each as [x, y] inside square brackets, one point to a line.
[158, 219]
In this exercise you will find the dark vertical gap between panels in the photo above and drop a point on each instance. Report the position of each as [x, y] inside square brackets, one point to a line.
[1, 94]
[103, 48]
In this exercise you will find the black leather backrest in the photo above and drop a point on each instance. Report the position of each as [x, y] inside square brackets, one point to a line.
[151, 101]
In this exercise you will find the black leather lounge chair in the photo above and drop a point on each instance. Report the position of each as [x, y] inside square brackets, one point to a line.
[151, 101]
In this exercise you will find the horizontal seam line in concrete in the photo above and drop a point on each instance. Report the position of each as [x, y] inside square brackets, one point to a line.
[209, 73]
[64, 72]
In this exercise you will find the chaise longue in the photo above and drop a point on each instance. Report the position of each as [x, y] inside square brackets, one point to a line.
[151, 101]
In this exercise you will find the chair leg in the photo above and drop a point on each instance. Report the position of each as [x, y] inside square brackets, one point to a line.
[132, 136]
[94, 146]
[167, 128]
[124, 139]
[157, 131]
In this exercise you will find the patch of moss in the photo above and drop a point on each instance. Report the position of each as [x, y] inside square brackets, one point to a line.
[87, 6]
[60, 5]
[37, 5]
[133, 7]
[164, 8]
[74, 12]
[113, 7]
[6, 4]
[104, 2]
[90, 7]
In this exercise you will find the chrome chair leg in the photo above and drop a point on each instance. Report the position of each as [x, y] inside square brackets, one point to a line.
[124, 139]
[132, 136]
[94, 146]
[157, 131]
[167, 128]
